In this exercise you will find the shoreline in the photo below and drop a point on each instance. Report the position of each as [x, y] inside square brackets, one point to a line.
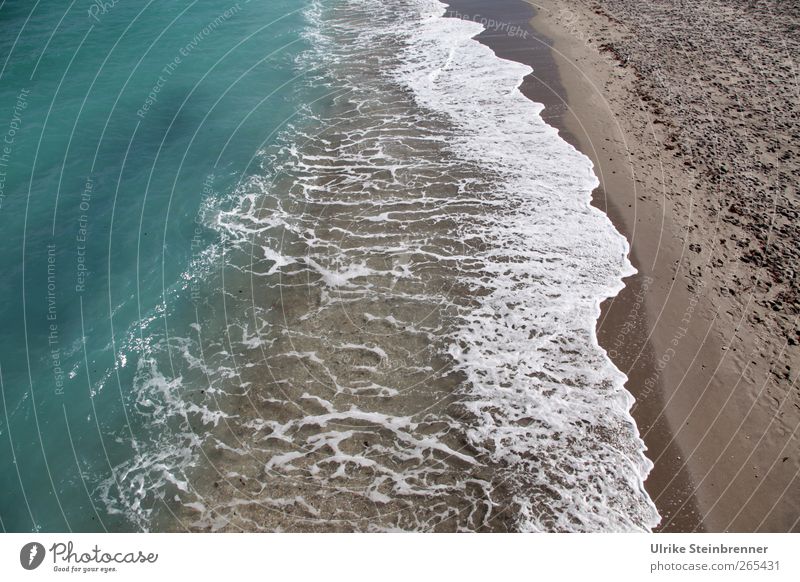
[626, 324]
[723, 347]
[698, 367]
[548, 85]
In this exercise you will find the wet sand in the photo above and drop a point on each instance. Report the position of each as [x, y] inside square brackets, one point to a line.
[707, 330]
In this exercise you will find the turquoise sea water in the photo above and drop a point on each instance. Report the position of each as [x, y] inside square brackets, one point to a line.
[122, 123]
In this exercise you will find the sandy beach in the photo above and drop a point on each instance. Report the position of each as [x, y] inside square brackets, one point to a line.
[688, 114]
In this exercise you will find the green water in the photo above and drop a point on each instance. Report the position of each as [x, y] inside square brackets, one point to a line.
[119, 121]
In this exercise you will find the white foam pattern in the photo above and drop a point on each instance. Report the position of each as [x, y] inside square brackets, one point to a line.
[398, 324]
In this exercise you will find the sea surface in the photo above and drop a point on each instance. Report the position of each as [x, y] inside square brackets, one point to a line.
[298, 265]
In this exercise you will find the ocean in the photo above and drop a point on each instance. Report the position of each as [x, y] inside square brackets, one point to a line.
[298, 266]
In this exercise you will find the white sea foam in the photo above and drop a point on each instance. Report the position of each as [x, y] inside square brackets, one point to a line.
[419, 349]
[549, 399]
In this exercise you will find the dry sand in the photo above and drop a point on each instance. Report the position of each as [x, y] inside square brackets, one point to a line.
[689, 111]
